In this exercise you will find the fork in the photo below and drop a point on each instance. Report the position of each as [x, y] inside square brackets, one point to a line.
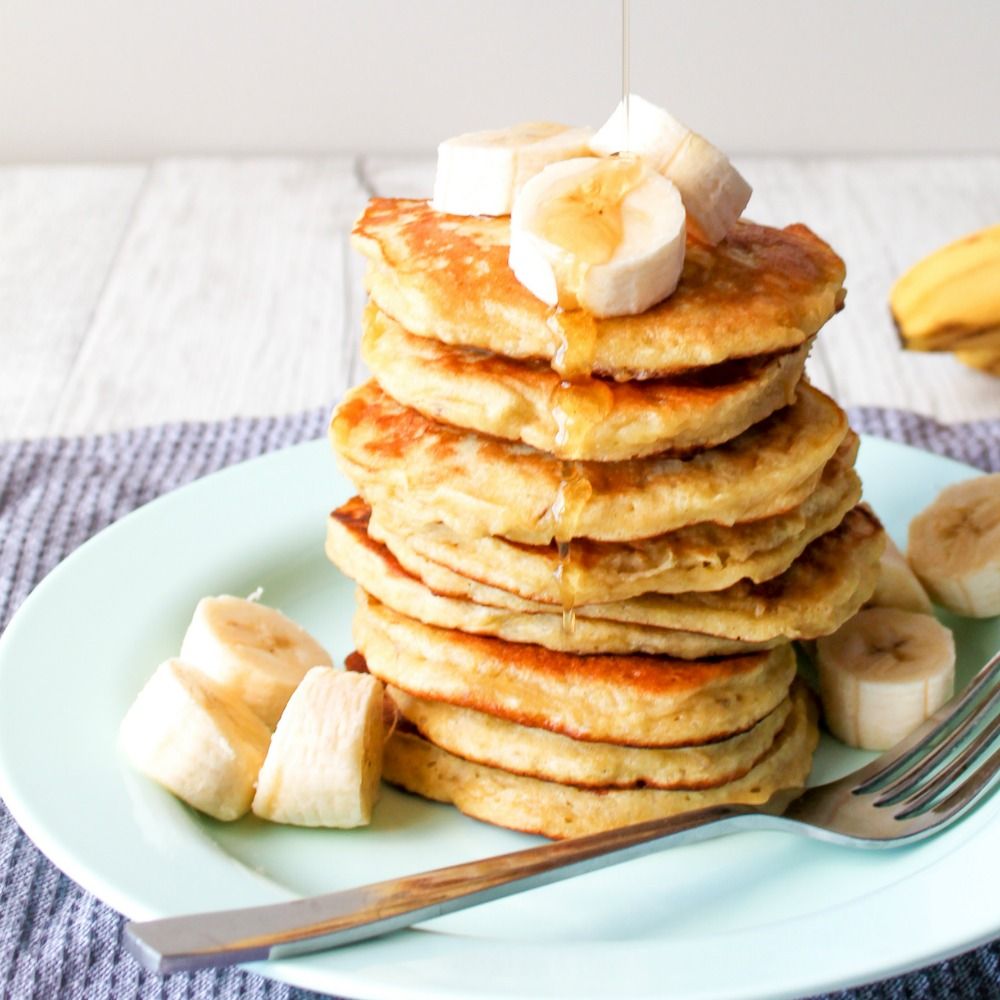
[917, 788]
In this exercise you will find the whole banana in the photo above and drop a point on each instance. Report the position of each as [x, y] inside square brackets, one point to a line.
[951, 298]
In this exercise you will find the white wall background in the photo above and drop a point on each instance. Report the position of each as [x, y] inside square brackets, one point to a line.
[117, 79]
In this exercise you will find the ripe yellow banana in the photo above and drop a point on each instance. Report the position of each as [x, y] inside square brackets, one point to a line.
[325, 760]
[251, 650]
[985, 359]
[954, 547]
[189, 734]
[951, 298]
[882, 673]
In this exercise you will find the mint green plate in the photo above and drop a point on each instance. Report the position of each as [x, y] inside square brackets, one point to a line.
[753, 915]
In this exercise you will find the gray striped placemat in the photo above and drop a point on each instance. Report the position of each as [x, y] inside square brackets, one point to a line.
[57, 940]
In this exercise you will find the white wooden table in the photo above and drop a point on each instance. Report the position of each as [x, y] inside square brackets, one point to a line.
[204, 288]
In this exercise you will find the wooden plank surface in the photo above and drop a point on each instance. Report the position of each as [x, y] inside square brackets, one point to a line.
[230, 296]
[205, 288]
[60, 230]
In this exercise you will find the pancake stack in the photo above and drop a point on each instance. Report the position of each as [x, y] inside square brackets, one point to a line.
[584, 547]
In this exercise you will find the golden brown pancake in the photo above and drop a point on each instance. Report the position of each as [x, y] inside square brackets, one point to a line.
[760, 291]
[699, 557]
[480, 485]
[632, 700]
[562, 810]
[824, 587]
[593, 419]
[537, 753]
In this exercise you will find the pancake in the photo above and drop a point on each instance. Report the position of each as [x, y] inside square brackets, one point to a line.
[699, 557]
[829, 583]
[560, 810]
[480, 485]
[632, 700]
[760, 291]
[591, 419]
[537, 753]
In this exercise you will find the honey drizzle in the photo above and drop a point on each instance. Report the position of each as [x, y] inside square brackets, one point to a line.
[626, 88]
[571, 497]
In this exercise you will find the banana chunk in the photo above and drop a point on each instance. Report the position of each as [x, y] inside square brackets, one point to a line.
[883, 673]
[951, 298]
[898, 586]
[254, 652]
[480, 173]
[954, 547]
[606, 236]
[325, 761]
[712, 189]
[184, 731]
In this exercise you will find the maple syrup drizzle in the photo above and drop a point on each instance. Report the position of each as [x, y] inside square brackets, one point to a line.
[571, 497]
[626, 88]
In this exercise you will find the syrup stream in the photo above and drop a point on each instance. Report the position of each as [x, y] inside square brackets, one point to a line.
[626, 87]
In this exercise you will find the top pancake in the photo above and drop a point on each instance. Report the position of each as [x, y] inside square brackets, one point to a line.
[760, 291]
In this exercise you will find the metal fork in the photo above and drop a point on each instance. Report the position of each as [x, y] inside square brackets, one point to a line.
[920, 786]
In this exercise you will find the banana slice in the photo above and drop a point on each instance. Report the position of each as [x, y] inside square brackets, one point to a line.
[951, 297]
[606, 236]
[186, 732]
[254, 652]
[898, 586]
[882, 673]
[954, 547]
[479, 173]
[325, 761]
[712, 189]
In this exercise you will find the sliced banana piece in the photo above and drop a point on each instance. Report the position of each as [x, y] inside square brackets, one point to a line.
[883, 673]
[954, 547]
[898, 586]
[479, 173]
[254, 652]
[712, 189]
[325, 761]
[604, 235]
[189, 734]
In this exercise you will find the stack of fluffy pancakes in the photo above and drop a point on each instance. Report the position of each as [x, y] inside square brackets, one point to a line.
[584, 547]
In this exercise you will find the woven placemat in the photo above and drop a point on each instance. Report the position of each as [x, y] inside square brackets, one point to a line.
[56, 940]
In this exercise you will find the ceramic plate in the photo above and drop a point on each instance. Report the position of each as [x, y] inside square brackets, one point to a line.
[752, 915]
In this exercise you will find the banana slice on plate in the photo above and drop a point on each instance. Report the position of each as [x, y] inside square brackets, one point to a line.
[189, 734]
[883, 673]
[325, 760]
[479, 173]
[954, 547]
[254, 652]
[603, 235]
[712, 189]
[898, 586]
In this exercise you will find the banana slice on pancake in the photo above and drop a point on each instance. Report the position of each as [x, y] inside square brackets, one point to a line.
[479, 173]
[713, 191]
[603, 235]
